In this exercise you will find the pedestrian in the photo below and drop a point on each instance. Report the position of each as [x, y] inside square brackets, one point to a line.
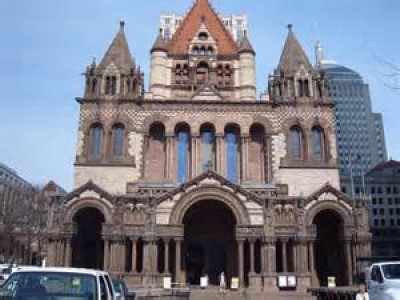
[362, 295]
[222, 282]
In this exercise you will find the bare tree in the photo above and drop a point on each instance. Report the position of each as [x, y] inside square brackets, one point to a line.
[390, 74]
[24, 221]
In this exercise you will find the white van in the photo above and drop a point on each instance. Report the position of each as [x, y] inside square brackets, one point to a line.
[383, 281]
[58, 283]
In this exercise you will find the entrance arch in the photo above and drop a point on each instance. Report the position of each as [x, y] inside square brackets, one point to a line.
[87, 245]
[330, 257]
[209, 241]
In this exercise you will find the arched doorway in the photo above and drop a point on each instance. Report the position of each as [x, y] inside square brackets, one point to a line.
[330, 258]
[87, 245]
[209, 240]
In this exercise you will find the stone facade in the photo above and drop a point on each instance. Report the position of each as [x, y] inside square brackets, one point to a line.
[196, 176]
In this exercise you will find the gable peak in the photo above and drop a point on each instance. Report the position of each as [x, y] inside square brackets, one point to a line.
[293, 55]
[118, 53]
[202, 13]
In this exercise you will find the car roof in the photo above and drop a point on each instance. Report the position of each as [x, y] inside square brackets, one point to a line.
[61, 270]
[386, 263]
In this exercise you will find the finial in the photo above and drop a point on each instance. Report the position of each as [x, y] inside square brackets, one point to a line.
[94, 62]
[290, 27]
[122, 24]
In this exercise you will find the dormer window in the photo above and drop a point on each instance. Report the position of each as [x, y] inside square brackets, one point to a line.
[111, 85]
[203, 36]
[195, 50]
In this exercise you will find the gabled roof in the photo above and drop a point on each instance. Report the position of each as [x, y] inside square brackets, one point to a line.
[202, 12]
[89, 186]
[118, 53]
[222, 180]
[329, 189]
[293, 55]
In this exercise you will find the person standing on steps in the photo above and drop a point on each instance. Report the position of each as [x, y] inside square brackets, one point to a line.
[222, 282]
[362, 295]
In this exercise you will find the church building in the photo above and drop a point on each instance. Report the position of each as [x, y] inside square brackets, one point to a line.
[197, 175]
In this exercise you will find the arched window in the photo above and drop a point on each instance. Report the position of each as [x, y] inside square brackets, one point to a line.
[202, 73]
[156, 154]
[195, 50]
[94, 85]
[118, 134]
[317, 142]
[296, 142]
[203, 50]
[232, 138]
[178, 72]
[182, 141]
[111, 85]
[304, 88]
[257, 162]
[203, 36]
[210, 50]
[207, 133]
[96, 141]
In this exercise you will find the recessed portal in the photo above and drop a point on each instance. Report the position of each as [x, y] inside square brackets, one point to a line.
[329, 249]
[210, 245]
[87, 246]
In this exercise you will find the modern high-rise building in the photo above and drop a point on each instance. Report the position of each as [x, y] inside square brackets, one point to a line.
[382, 185]
[359, 131]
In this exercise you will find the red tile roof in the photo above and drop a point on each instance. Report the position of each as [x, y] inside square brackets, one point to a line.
[202, 12]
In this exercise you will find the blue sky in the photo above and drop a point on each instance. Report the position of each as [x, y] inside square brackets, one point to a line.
[46, 45]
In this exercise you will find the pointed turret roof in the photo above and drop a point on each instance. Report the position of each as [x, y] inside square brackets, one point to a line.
[160, 44]
[202, 13]
[118, 53]
[245, 45]
[293, 54]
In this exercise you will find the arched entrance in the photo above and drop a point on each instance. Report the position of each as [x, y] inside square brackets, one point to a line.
[210, 245]
[87, 245]
[330, 257]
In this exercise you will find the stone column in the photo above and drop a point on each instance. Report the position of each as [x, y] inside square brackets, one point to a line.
[67, 258]
[166, 256]
[178, 271]
[244, 158]
[193, 157]
[168, 155]
[134, 262]
[347, 243]
[154, 252]
[301, 256]
[240, 261]
[122, 246]
[220, 154]
[284, 255]
[311, 260]
[251, 244]
[106, 254]
[146, 257]
[271, 255]
[111, 262]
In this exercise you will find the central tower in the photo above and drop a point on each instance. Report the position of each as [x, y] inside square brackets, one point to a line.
[202, 60]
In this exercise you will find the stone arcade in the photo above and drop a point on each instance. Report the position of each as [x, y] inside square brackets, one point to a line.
[197, 176]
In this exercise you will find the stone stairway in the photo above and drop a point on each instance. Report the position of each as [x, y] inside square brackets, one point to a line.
[213, 293]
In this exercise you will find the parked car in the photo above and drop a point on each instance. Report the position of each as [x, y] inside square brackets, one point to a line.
[122, 290]
[383, 281]
[58, 284]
